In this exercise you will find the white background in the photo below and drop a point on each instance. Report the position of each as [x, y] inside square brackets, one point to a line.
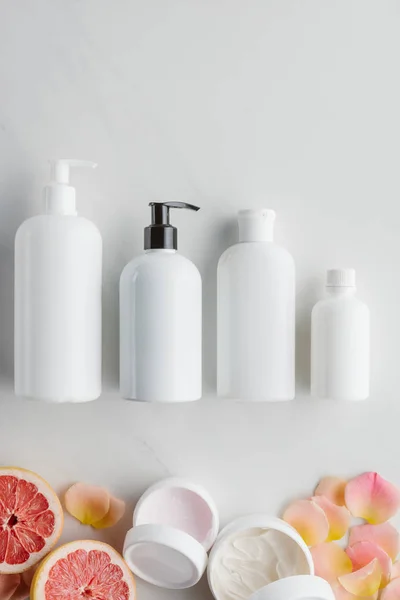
[227, 104]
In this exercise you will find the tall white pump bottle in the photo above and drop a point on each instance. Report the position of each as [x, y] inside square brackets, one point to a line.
[160, 318]
[256, 314]
[58, 272]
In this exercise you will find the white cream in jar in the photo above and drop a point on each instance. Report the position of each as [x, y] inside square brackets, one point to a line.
[246, 559]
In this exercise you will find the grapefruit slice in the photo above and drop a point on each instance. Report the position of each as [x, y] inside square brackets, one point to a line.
[31, 519]
[83, 570]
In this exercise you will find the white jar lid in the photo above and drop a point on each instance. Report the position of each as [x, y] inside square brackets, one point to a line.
[164, 556]
[298, 587]
[175, 523]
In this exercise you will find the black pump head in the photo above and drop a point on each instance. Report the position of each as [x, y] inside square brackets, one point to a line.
[160, 234]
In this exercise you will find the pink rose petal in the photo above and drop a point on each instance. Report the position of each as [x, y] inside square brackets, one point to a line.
[342, 594]
[330, 561]
[16, 586]
[391, 591]
[365, 581]
[372, 498]
[332, 488]
[338, 517]
[115, 514]
[8, 585]
[28, 575]
[309, 520]
[396, 570]
[385, 536]
[21, 593]
[87, 503]
[362, 553]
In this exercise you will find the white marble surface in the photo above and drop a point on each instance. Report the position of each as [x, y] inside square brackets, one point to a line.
[221, 103]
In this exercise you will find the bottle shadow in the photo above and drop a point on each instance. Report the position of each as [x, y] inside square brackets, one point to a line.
[307, 294]
[220, 240]
[15, 191]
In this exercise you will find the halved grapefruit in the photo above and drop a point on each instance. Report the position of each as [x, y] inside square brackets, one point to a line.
[83, 570]
[31, 519]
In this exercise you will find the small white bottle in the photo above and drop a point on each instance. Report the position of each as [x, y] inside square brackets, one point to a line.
[340, 341]
[256, 314]
[58, 271]
[160, 318]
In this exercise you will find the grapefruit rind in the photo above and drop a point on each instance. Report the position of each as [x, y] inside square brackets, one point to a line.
[54, 505]
[42, 574]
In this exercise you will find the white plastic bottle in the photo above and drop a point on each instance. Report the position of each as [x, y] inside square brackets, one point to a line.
[58, 265]
[340, 341]
[256, 314]
[160, 318]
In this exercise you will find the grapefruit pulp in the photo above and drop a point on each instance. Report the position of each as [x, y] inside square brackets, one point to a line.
[31, 519]
[83, 570]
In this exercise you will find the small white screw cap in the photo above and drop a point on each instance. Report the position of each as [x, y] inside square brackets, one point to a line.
[341, 278]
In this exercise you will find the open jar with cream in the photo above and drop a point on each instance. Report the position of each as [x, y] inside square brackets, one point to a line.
[263, 558]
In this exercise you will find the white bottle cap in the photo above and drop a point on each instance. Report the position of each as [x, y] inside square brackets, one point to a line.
[59, 196]
[341, 278]
[174, 525]
[256, 225]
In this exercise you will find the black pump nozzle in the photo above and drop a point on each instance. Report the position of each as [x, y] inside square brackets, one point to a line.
[160, 234]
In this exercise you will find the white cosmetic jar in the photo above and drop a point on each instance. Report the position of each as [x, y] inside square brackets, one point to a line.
[263, 558]
[175, 523]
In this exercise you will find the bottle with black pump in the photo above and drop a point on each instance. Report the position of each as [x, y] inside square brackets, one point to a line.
[160, 317]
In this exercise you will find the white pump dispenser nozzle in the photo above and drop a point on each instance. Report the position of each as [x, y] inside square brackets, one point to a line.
[59, 196]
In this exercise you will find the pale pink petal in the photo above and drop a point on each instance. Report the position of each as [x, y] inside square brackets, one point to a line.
[362, 553]
[372, 498]
[21, 593]
[87, 503]
[332, 488]
[115, 514]
[309, 520]
[27, 576]
[391, 591]
[330, 561]
[8, 585]
[338, 517]
[342, 594]
[365, 581]
[385, 536]
[396, 570]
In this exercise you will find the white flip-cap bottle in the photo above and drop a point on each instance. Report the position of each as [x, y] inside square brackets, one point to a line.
[58, 265]
[256, 314]
[340, 341]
